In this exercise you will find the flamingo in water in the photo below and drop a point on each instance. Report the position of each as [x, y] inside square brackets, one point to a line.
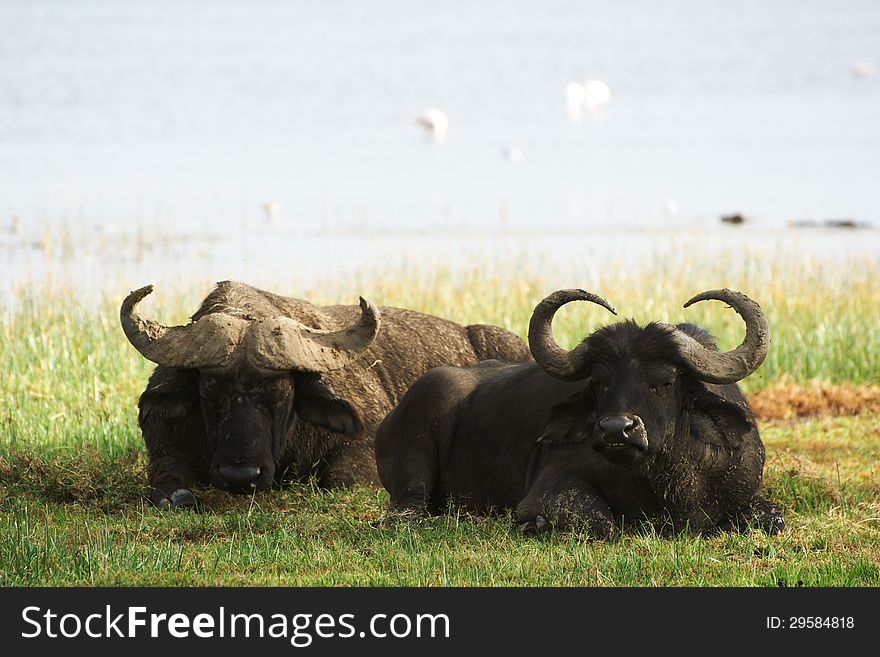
[591, 96]
[435, 124]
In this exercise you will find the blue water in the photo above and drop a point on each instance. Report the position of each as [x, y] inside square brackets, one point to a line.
[123, 118]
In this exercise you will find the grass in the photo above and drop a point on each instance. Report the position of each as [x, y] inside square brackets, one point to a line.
[72, 473]
[81, 520]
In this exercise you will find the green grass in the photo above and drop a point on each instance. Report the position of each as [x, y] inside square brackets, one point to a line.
[81, 520]
[72, 473]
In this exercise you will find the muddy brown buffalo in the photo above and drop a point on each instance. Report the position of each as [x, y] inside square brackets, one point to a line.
[259, 387]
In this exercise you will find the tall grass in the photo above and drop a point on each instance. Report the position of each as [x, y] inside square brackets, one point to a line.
[68, 377]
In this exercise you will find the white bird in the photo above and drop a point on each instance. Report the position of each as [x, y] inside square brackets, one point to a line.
[273, 213]
[512, 153]
[671, 207]
[863, 69]
[575, 95]
[435, 123]
[591, 96]
[596, 94]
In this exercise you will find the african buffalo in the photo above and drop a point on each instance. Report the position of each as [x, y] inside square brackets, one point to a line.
[259, 387]
[634, 424]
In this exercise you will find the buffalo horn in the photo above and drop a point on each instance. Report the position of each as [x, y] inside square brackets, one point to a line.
[731, 366]
[556, 361]
[208, 342]
[278, 343]
[282, 343]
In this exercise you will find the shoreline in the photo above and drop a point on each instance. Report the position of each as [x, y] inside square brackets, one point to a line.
[92, 263]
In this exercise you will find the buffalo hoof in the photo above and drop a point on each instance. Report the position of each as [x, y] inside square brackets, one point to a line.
[773, 523]
[528, 528]
[539, 525]
[767, 516]
[182, 498]
[395, 517]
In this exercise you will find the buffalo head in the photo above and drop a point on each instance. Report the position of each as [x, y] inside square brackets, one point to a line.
[256, 374]
[641, 383]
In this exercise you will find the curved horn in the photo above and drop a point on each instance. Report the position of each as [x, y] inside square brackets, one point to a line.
[208, 342]
[728, 367]
[556, 361]
[282, 343]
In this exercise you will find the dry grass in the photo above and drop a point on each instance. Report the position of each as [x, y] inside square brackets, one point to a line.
[785, 401]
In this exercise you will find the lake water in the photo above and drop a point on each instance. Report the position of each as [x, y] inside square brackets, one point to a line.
[149, 140]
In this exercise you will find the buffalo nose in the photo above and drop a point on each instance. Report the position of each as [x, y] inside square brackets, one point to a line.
[616, 425]
[237, 477]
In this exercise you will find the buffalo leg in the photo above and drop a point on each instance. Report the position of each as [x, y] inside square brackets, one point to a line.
[412, 486]
[349, 463]
[565, 505]
[407, 461]
[413, 492]
[170, 481]
[761, 512]
[174, 434]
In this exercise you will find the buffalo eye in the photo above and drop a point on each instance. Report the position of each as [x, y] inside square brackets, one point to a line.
[660, 376]
[601, 377]
[660, 385]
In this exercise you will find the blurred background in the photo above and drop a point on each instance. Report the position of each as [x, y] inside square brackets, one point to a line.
[168, 140]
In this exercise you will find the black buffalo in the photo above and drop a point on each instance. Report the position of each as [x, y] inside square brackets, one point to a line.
[635, 424]
[259, 387]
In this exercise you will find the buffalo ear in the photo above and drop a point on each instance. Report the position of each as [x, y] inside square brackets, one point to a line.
[571, 420]
[316, 402]
[717, 421]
